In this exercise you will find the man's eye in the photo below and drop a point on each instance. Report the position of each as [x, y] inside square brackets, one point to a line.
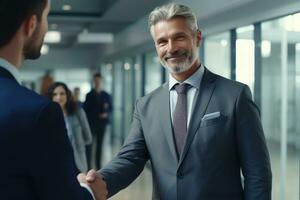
[180, 38]
[161, 43]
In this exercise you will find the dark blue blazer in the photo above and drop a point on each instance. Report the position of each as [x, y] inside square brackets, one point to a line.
[95, 104]
[36, 158]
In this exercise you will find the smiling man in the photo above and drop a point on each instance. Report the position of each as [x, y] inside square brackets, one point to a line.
[199, 130]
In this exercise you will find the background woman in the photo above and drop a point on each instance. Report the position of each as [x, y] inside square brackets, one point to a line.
[76, 122]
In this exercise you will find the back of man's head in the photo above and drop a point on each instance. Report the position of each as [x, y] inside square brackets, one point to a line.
[14, 12]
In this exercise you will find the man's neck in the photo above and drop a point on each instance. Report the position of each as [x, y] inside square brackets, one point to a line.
[98, 89]
[12, 53]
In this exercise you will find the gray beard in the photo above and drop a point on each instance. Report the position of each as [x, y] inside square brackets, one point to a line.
[181, 67]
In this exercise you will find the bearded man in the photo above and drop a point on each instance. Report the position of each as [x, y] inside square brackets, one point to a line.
[37, 161]
[199, 130]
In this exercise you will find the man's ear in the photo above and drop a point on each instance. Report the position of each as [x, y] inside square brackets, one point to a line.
[198, 37]
[30, 25]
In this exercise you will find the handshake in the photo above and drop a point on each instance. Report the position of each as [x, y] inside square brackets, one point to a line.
[95, 182]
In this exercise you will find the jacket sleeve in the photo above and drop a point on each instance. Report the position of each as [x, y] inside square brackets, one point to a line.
[130, 161]
[253, 152]
[51, 163]
[86, 131]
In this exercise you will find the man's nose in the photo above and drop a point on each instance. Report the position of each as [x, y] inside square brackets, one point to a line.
[171, 47]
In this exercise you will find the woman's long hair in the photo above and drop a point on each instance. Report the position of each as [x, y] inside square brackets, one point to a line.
[71, 105]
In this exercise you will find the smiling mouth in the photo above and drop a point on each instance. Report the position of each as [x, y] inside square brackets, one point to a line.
[175, 58]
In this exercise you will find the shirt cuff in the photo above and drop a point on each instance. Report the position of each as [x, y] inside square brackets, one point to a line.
[88, 188]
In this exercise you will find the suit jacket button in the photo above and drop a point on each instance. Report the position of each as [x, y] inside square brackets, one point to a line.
[180, 175]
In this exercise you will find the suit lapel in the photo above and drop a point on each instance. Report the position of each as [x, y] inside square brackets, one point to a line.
[164, 104]
[199, 109]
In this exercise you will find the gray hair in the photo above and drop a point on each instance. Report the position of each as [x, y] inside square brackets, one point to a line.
[169, 11]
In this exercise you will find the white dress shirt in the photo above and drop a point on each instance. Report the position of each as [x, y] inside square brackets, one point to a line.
[194, 81]
[11, 68]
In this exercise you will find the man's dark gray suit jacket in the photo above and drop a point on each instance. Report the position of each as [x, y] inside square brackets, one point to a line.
[217, 152]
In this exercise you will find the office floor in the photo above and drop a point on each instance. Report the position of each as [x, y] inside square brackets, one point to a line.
[141, 188]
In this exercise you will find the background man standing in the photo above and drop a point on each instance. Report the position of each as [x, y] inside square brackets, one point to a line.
[199, 130]
[36, 157]
[98, 107]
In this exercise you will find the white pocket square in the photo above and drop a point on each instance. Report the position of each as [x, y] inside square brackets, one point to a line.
[211, 116]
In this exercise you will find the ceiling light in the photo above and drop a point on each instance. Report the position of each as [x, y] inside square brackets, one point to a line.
[127, 66]
[224, 43]
[45, 49]
[291, 23]
[53, 37]
[67, 7]
[95, 38]
[296, 22]
[245, 29]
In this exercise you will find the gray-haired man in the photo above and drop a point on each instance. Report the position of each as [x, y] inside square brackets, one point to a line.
[199, 130]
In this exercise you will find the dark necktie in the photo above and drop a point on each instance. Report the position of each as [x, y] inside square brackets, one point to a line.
[180, 116]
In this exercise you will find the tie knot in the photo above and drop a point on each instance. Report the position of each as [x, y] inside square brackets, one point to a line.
[182, 88]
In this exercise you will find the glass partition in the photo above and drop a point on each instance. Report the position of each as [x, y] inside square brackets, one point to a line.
[281, 102]
[153, 72]
[245, 56]
[217, 53]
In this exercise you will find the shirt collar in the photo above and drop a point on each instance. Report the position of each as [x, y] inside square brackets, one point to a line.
[11, 69]
[193, 80]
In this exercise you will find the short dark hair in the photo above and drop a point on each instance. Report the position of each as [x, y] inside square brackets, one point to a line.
[97, 75]
[71, 105]
[14, 12]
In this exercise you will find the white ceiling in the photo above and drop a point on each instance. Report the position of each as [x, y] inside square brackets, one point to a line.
[96, 16]
[127, 20]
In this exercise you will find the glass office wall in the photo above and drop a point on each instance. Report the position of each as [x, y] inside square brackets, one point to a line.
[138, 77]
[219, 62]
[280, 102]
[107, 77]
[117, 102]
[128, 95]
[245, 56]
[107, 85]
[153, 72]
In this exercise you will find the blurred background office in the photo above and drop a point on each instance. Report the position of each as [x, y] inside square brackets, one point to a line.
[256, 42]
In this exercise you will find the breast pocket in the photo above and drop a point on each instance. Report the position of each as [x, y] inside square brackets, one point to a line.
[213, 122]
[210, 138]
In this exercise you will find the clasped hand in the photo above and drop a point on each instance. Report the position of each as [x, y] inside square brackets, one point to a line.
[95, 182]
